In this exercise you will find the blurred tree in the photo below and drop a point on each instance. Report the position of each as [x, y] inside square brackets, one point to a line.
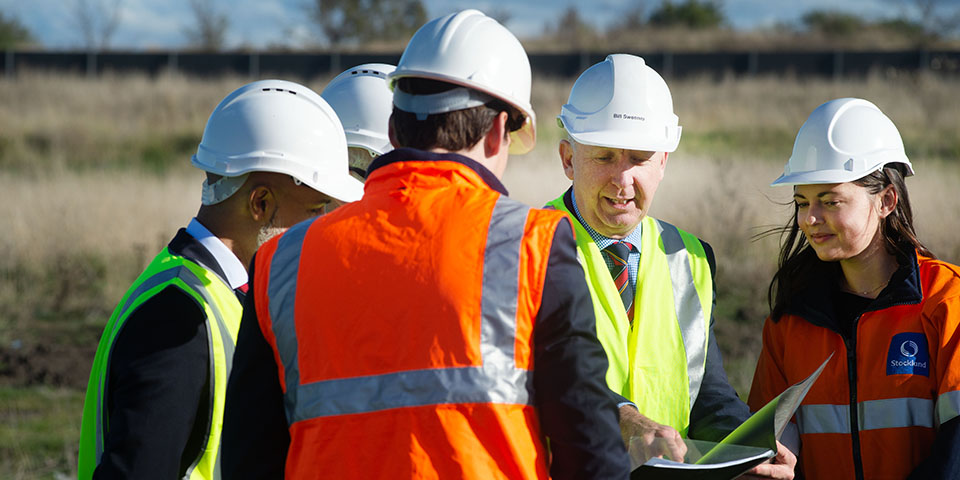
[938, 18]
[902, 26]
[633, 17]
[832, 23]
[211, 25]
[97, 21]
[693, 14]
[362, 21]
[500, 14]
[574, 28]
[13, 33]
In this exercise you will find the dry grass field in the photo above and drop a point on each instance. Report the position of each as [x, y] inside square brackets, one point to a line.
[97, 178]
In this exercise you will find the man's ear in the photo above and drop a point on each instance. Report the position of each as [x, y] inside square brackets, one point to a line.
[261, 203]
[566, 157]
[496, 138]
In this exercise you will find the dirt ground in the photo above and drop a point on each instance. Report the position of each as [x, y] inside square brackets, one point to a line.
[54, 365]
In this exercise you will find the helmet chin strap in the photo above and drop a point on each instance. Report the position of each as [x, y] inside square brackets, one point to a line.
[216, 192]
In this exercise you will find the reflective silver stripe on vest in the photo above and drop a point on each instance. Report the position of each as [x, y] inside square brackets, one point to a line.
[498, 307]
[823, 419]
[948, 406]
[281, 291]
[896, 413]
[195, 284]
[229, 346]
[871, 415]
[412, 388]
[498, 380]
[687, 304]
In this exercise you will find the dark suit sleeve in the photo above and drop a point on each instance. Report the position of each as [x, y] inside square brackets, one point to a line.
[577, 410]
[718, 410]
[158, 379]
[944, 460]
[255, 432]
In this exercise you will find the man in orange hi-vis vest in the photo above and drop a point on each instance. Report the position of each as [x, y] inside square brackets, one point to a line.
[435, 328]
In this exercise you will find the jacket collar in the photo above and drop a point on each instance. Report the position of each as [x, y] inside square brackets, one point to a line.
[185, 245]
[414, 155]
[235, 271]
[815, 303]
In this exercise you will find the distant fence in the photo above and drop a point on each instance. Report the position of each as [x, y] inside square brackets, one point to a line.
[309, 65]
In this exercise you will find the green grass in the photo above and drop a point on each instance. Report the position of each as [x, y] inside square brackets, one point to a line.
[763, 142]
[61, 299]
[160, 154]
[35, 153]
[39, 432]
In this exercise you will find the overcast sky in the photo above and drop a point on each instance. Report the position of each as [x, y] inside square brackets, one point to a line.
[160, 24]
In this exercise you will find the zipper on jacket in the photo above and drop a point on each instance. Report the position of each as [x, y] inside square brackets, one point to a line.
[851, 344]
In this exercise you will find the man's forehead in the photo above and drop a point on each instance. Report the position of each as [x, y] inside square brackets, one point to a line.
[604, 149]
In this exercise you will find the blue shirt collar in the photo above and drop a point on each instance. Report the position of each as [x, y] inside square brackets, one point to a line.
[603, 241]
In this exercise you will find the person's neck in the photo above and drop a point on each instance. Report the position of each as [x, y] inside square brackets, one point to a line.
[496, 164]
[243, 254]
[869, 272]
[227, 232]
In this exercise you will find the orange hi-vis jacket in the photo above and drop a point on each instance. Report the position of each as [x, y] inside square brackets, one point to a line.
[437, 384]
[892, 382]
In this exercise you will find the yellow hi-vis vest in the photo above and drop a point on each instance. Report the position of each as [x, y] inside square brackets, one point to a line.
[223, 311]
[658, 364]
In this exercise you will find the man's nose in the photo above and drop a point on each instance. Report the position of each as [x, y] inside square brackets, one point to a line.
[623, 175]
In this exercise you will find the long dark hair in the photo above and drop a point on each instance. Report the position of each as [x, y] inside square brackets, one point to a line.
[799, 265]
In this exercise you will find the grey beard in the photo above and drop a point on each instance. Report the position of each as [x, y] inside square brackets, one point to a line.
[267, 232]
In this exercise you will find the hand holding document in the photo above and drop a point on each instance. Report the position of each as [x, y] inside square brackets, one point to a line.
[752, 443]
[647, 439]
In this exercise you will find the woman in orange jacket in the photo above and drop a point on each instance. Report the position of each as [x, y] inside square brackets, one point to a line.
[854, 281]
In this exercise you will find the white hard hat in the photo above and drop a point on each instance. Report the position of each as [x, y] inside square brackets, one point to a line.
[621, 103]
[472, 50]
[843, 140]
[363, 102]
[282, 127]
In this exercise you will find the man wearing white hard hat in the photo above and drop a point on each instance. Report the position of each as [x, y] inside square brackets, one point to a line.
[274, 154]
[436, 328]
[363, 101]
[652, 284]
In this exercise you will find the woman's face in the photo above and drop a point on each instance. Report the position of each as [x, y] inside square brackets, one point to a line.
[840, 220]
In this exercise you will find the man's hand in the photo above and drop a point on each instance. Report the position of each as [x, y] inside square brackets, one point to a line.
[780, 467]
[646, 439]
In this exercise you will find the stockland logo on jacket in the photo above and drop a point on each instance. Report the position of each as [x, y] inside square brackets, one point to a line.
[908, 355]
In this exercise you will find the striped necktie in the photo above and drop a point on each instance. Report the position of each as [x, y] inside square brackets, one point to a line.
[617, 254]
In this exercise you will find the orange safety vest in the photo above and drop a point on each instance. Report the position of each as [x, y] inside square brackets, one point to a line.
[903, 369]
[402, 327]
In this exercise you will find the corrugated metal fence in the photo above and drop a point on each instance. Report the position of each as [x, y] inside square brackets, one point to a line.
[308, 65]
